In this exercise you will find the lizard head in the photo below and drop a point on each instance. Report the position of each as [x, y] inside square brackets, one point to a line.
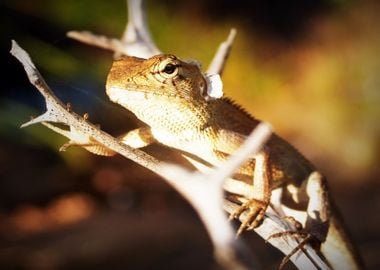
[161, 87]
[159, 77]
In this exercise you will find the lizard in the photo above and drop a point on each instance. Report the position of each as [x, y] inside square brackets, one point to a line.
[170, 96]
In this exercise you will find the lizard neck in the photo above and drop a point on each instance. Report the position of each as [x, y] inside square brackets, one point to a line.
[228, 115]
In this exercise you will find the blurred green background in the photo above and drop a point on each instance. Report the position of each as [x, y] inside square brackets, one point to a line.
[311, 68]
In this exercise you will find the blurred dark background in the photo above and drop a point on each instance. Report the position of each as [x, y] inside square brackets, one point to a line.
[311, 68]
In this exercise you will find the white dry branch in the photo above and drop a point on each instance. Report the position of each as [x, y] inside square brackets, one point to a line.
[136, 39]
[203, 191]
[220, 58]
[228, 250]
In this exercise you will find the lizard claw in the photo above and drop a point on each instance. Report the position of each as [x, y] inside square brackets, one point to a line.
[256, 210]
[306, 239]
[299, 232]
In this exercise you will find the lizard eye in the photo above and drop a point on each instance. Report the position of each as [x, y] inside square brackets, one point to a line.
[169, 68]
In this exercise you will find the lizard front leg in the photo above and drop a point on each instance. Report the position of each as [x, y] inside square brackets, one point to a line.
[260, 197]
[135, 138]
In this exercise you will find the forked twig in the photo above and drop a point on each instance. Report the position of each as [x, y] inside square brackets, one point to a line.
[136, 40]
[205, 192]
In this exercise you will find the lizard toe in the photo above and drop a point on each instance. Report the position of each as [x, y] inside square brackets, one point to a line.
[255, 214]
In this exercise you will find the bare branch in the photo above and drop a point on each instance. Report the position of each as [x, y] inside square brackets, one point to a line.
[136, 40]
[215, 69]
[112, 44]
[273, 224]
[206, 196]
[251, 146]
[218, 62]
[57, 112]
[205, 193]
[136, 37]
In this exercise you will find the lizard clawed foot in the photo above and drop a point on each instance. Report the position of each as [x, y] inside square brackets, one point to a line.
[299, 232]
[256, 210]
[69, 144]
[94, 148]
[300, 246]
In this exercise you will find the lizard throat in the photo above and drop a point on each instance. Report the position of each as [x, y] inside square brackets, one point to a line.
[153, 107]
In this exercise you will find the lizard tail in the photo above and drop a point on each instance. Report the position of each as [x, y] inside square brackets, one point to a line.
[338, 248]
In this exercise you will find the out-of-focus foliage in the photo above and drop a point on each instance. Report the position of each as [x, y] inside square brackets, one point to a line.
[323, 90]
[311, 68]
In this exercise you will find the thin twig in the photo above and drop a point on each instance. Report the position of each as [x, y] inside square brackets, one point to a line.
[273, 224]
[136, 39]
[57, 113]
[112, 44]
[218, 62]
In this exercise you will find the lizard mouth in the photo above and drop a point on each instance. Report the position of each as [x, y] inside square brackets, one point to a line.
[122, 95]
[125, 95]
